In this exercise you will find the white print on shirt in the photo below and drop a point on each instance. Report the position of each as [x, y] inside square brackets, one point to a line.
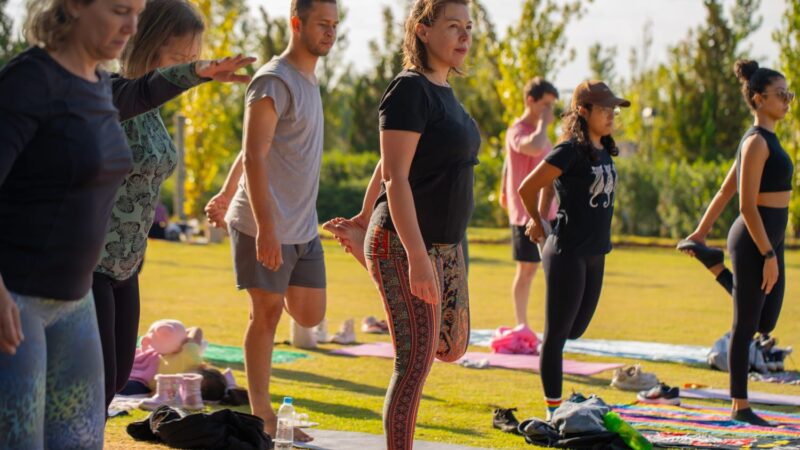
[605, 182]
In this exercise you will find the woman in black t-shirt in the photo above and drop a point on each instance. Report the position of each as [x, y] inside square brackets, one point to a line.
[429, 147]
[62, 157]
[585, 180]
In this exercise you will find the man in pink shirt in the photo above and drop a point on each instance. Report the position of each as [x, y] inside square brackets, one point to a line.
[526, 146]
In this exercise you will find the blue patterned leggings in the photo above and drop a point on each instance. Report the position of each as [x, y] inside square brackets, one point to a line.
[51, 390]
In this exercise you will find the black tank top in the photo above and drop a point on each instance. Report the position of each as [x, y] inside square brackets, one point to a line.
[778, 168]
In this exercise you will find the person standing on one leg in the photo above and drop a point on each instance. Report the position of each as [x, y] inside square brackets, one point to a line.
[526, 146]
[272, 218]
[574, 255]
[429, 146]
[763, 174]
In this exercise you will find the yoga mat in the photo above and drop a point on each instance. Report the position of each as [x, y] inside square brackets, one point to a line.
[224, 354]
[346, 440]
[706, 427]
[754, 397]
[648, 351]
[525, 362]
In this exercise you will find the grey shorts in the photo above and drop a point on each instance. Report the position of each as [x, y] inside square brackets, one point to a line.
[303, 265]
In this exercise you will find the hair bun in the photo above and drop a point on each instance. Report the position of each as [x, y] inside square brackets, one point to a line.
[744, 69]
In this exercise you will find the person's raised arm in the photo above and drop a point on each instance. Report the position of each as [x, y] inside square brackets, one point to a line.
[371, 194]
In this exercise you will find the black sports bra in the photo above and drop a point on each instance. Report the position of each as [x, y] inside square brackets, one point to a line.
[778, 169]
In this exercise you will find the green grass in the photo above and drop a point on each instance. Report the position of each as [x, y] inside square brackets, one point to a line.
[651, 294]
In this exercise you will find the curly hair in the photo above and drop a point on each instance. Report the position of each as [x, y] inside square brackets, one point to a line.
[576, 128]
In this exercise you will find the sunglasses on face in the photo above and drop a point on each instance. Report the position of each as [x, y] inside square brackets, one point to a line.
[609, 110]
[785, 96]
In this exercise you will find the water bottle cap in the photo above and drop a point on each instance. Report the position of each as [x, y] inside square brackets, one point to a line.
[287, 400]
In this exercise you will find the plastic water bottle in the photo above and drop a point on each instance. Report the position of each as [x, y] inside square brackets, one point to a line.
[633, 438]
[284, 437]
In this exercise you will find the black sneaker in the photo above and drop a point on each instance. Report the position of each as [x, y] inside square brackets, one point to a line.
[710, 257]
[504, 420]
[662, 395]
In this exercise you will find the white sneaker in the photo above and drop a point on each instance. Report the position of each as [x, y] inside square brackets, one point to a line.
[321, 331]
[346, 334]
[632, 378]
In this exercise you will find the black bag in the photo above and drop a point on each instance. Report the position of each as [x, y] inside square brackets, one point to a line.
[539, 432]
[223, 429]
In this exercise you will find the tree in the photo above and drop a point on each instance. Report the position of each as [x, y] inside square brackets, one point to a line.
[788, 38]
[601, 63]
[476, 88]
[10, 44]
[367, 89]
[213, 111]
[707, 110]
[535, 46]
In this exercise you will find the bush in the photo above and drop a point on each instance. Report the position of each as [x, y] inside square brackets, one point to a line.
[668, 198]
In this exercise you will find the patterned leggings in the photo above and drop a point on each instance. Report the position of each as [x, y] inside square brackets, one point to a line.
[420, 331]
[51, 390]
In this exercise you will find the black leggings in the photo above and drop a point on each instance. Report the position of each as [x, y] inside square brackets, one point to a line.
[573, 290]
[752, 309]
[117, 305]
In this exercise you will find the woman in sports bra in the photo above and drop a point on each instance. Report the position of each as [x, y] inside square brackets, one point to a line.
[762, 174]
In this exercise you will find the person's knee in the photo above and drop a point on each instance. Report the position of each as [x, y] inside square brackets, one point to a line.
[310, 318]
[527, 270]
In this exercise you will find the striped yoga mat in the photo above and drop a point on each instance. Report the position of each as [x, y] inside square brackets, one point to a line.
[709, 427]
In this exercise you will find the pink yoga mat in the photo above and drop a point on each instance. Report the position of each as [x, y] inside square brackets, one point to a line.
[754, 397]
[525, 362]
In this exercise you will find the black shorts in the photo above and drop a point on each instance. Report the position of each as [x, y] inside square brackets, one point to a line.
[523, 249]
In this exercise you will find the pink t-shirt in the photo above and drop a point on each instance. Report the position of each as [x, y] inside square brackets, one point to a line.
[145, 365]
[518, 166]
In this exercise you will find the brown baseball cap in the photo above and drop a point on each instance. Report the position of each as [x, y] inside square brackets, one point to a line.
[595, 92]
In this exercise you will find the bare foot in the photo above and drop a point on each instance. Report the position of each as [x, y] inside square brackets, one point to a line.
[350, 236]
[271, 426]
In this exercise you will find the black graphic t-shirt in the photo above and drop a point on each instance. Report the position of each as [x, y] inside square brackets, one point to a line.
[585, 192]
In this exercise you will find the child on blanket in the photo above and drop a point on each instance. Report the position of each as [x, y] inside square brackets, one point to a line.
[167, 348]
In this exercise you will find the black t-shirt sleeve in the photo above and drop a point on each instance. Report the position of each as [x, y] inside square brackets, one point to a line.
[133, 97]
[26, 91]
[405, 106]
[563, 156]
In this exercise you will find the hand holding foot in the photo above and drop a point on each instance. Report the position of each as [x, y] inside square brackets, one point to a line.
[350, 234]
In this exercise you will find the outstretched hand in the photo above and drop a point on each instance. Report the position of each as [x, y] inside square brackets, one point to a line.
[224, 69]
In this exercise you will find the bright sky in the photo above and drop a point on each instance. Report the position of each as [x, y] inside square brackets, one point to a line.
[614, 22]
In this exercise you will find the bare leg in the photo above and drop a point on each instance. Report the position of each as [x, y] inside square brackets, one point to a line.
[265, 313]
[521, 289]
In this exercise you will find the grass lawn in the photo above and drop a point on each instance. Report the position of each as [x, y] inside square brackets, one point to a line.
[649, 294]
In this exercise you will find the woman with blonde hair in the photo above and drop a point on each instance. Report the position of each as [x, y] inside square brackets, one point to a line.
[62, 157]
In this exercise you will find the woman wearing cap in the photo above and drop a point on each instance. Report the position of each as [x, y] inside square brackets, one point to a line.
[763, 175]
[574, 255]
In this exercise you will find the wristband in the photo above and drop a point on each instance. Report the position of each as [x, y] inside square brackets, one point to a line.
[770, 254]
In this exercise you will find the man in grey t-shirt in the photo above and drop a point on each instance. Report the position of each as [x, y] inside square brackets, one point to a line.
[272, 216]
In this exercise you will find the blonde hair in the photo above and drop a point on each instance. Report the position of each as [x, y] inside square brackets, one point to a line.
[49, 23]
[423, 12]
[161, 20]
